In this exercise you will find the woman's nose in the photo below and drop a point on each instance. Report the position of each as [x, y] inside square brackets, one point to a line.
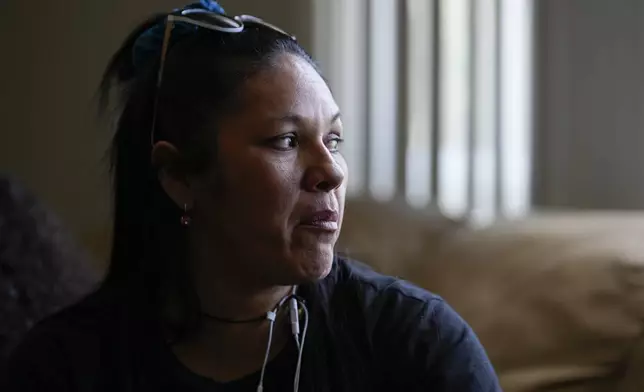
[323, 174]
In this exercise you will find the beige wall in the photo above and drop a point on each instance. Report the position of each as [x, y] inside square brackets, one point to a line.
[52, 59]
[590, 119]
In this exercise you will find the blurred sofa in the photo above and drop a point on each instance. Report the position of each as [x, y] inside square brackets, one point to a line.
[557, 298]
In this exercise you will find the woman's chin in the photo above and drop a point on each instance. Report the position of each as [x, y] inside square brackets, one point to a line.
[313, 267]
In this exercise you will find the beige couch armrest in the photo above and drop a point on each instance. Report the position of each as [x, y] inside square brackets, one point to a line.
[558, 302]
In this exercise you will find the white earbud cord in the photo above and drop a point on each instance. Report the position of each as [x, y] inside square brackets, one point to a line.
[294, 316]
[271, 318]
[300, 344]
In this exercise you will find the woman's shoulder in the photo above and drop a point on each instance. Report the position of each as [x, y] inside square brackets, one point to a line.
[395, 307]
[416, 334]
[377, 291]
[388, 307]
[76, 326]
[93, 314]
[61, 347]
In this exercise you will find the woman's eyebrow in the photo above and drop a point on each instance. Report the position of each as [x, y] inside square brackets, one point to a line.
[297, 119]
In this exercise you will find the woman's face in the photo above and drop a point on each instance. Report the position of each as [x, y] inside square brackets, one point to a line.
[271, 207]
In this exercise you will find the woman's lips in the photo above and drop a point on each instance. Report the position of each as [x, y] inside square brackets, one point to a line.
[325, 220]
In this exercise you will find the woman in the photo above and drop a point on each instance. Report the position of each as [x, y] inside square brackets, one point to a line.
[41, 268]
[229, 194]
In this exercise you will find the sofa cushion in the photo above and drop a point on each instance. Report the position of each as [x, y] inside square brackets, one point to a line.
[557, 299]
[392, 237]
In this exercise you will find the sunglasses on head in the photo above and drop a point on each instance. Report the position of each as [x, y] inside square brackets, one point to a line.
[205, 19]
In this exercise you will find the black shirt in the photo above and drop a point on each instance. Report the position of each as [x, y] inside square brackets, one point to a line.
[367, 332]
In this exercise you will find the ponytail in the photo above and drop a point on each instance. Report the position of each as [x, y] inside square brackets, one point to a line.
[143, 215]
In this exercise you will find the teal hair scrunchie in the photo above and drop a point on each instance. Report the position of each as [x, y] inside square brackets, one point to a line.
[212, 5]
[148, 45]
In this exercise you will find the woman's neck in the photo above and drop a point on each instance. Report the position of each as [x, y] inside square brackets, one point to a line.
[225, 288]
[234, 301]
[226, 351]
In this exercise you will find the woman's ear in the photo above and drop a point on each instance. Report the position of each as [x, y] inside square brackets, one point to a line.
[172, 176]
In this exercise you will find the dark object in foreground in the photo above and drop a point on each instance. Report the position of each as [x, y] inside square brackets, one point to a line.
[41, 268]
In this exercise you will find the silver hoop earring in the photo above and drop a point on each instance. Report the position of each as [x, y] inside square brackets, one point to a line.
[186, 219]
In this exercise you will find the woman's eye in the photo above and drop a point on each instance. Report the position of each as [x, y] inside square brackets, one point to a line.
[284, 143]
[334, 143]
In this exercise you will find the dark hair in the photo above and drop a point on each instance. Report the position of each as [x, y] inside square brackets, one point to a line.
[202, 79]
[42, 269]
